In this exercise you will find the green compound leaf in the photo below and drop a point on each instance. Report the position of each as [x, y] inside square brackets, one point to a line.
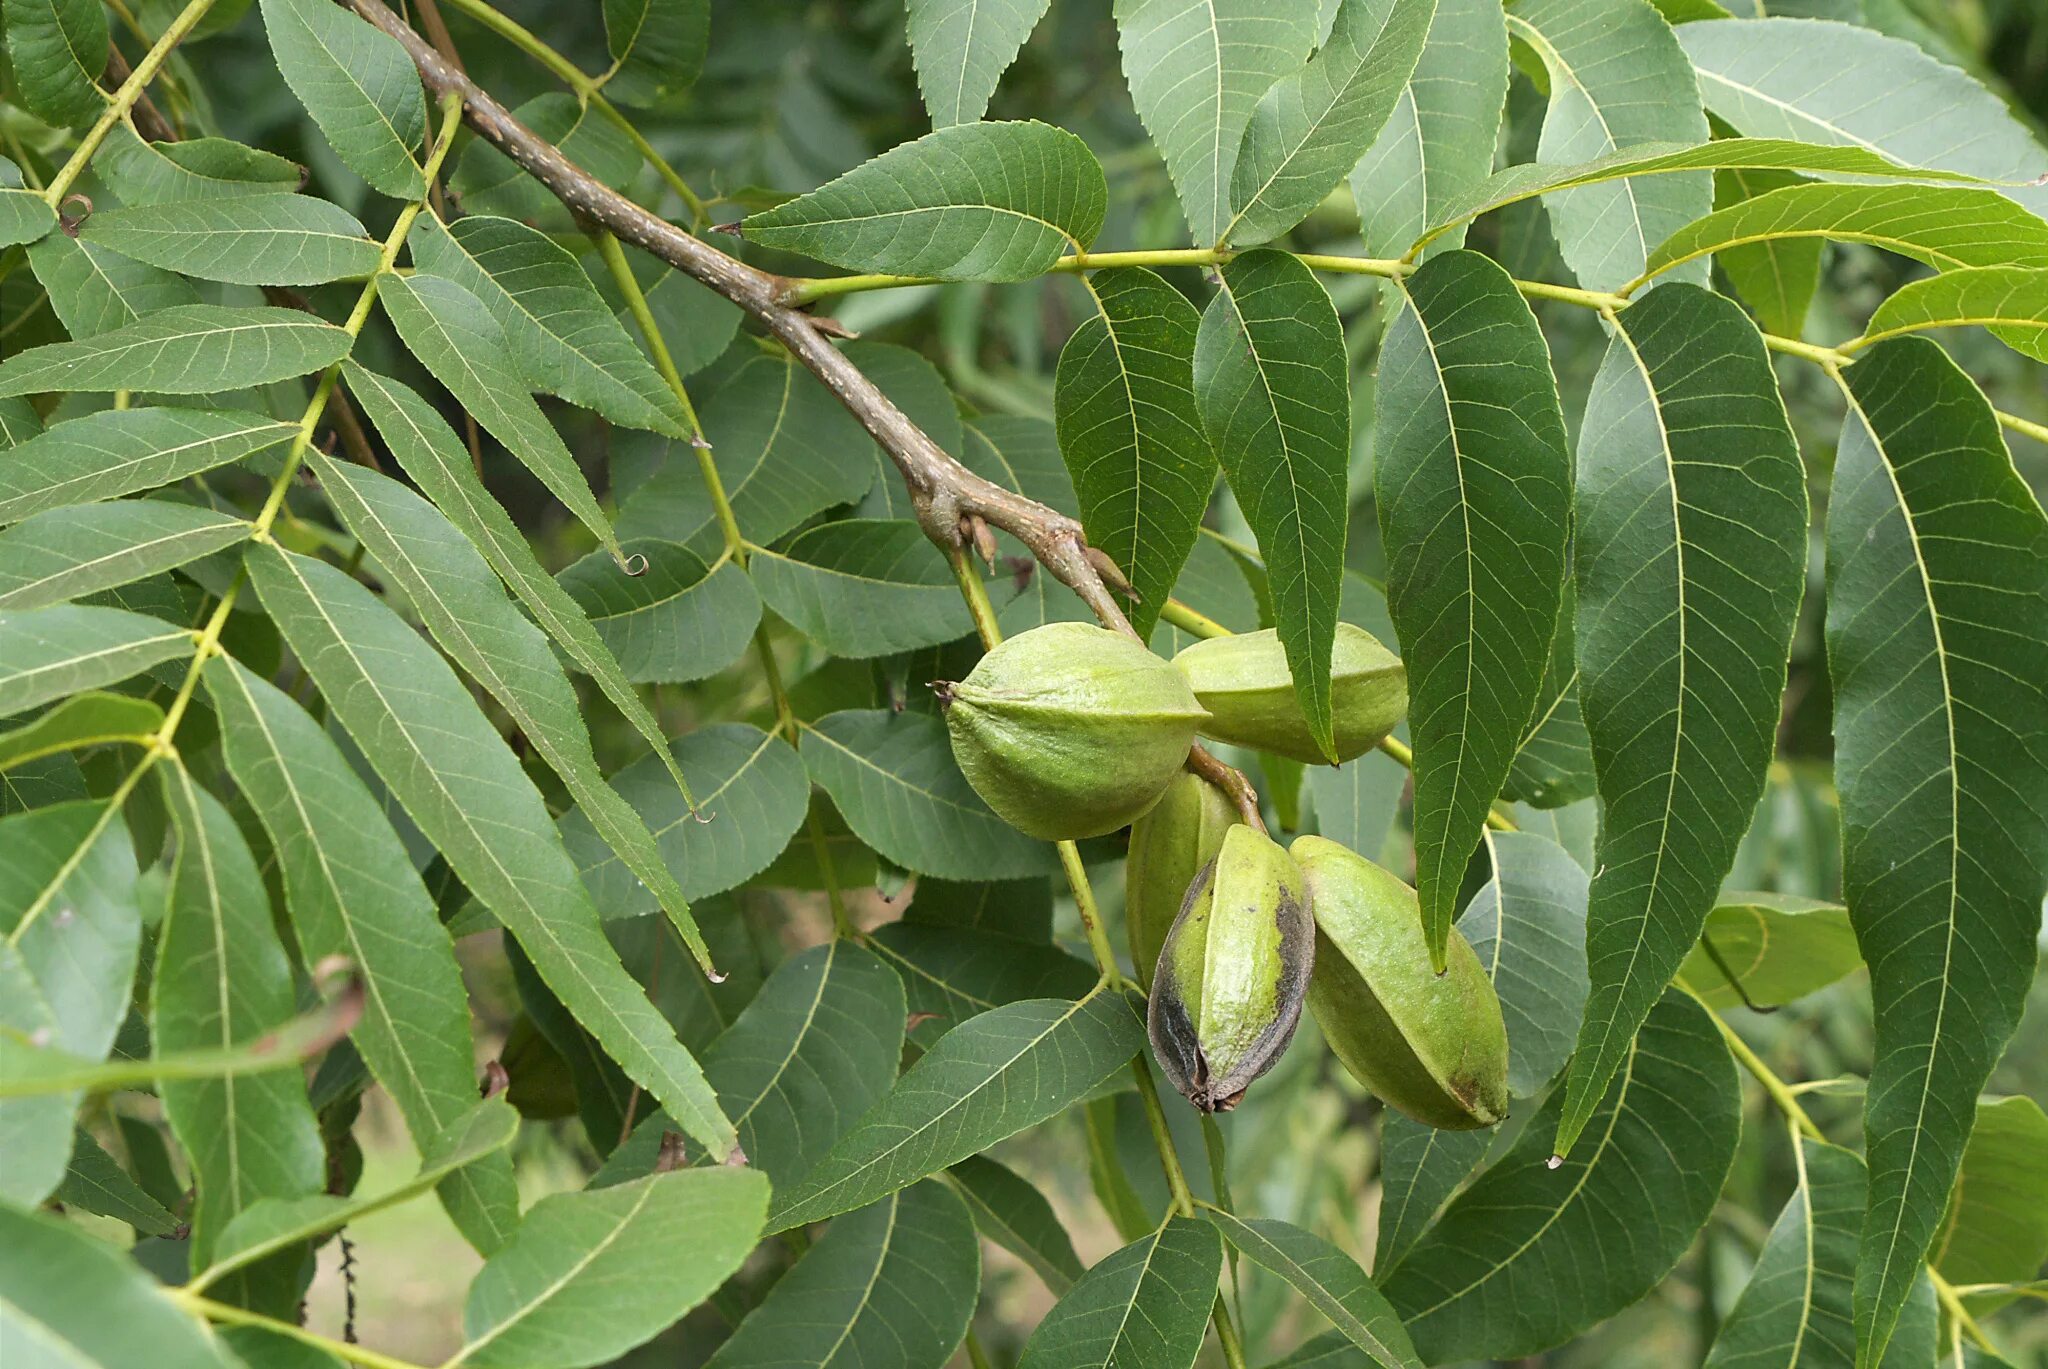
[951, 974]
[987, 1079]
[1531, 1255]
[97, 1183]
[430, 453]
[350, 890]
[1944, 226]
[66, 1298]
[1512, 184]
[118, 451]
[1778, 279]
[2012, 301]
[1691, 561]
[815, 1049]
[894, 1283]
[1329, 1279]
[784, 448]
[247, 240]
[590, 1275]
[1437, 145]
[1474, 490]
[1017, 1217]
[72, 552]
[894, 777]
[961, 49]
[564, 338]
[1130, 433]
[1795, 1309]
[1421, 1166]
[1197, 69]
[58, 48]
[677, 620]
[430, 742]
[751, 791]
[1811, 80]
[83, 720]
[248, 1137]
[94, 289]
[47, 653]
[1618, 78]
[271, 1224]
[1554, 765]
[458, 340]
[1996, 1228]
[986, 201]
[194, 169]
[1933, 543]
[25, 216]
[475, 622]
[358, 85]
[864, 587]
[1271, 383]
[1528, 927]
[76, 973]
[1147, 1304]
[191, 349]
[1311, 128]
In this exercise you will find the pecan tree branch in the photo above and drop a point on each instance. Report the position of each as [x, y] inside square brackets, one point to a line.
[947, 497]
